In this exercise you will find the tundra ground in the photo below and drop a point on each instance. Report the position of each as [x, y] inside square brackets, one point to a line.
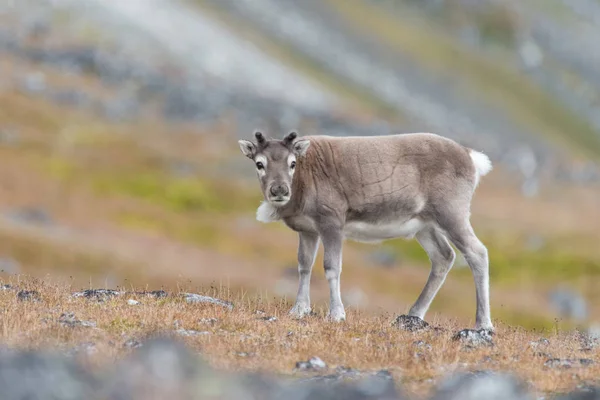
[258, 335]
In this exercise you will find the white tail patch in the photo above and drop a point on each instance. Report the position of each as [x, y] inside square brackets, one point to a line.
[267, 213]
[482, 163]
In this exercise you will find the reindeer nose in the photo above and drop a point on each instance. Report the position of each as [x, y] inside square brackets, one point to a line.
[280, 190]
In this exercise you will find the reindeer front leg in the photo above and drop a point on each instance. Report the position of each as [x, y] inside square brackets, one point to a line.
[332, 244]
[307, 252]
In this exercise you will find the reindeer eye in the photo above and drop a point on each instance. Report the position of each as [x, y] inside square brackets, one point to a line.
[259, 165]
[293, 165]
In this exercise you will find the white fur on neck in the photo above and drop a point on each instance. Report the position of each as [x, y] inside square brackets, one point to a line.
[267, 213]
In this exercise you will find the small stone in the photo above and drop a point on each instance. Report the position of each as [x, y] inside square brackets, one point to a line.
[422, 345]
[568, 363]
[410, 323]
[244, 354]
[132, 343]
[314, 363]
[133, 302]
[474, 338]
[542, 342]
[154, 293]
[197, 298]
[68, 319]
[541, 354]
[269, 318]
[97, 294]
[189, 332]
[28, 295]
[6, 287]
[209, 321]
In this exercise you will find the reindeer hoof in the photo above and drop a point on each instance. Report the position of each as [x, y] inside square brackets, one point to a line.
[336, 315]
[300, 310]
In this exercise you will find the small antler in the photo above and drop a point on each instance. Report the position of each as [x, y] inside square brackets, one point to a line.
[260, 139]
[289, 138]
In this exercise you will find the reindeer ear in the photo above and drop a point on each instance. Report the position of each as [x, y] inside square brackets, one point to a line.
[300, 147]
[248, 148]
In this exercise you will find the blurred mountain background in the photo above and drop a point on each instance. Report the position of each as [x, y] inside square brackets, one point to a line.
[119, 123]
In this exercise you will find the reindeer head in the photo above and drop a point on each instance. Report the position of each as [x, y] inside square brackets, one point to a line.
[275, 162]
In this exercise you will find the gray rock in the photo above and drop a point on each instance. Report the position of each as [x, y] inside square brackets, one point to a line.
[244, 354]
[158, 294]
[30, 375]
[208, 321]
[132, 343]
[410, 323]
[314, 363]
[190, 332]
[474, 338]
[269, 318]
[422, 345]
[482, 385]
[568, 363]
[28, 295]
[162, 368]
[69, 319]
[97, 294]
[198, 298]
[540, 343]
[592, 393]
[330, 387]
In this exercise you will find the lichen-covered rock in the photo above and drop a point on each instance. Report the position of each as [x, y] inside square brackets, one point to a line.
[98, 294]
[198, 298]
[474, 338]
[564, 363]
[410, 323]
[69, 319]
[28, 295]
[314, 363]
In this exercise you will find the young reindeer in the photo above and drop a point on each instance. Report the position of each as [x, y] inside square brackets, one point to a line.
[371, 189]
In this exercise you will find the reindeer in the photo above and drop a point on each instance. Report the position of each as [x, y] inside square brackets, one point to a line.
[371, 189]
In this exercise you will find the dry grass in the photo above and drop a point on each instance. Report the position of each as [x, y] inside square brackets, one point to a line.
[242, 339]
